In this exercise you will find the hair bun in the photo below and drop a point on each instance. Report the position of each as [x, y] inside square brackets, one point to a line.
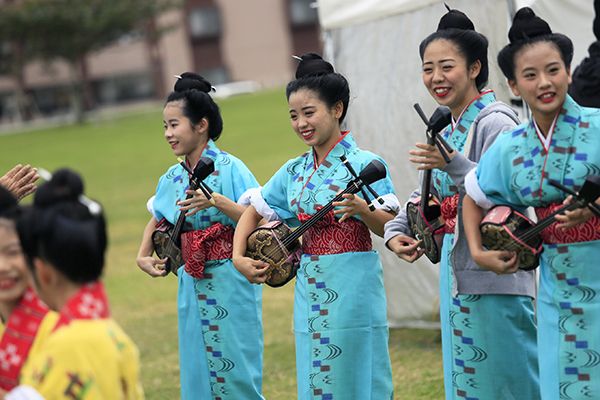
[65, 185]
[7, 201]
[190, 80]
[527, 25]
[312, 64]
[455, 19]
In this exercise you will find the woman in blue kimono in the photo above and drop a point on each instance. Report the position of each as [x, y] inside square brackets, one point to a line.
[475, 338]
[560, 143]
[218, 359]
[340, 319]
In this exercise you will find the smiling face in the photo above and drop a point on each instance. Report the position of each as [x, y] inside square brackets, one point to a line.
[14, 276]
[313, 121]
[446, 75]
[184, 139]
[542, 79]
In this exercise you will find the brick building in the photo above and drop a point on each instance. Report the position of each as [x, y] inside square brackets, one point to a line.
[223, 40]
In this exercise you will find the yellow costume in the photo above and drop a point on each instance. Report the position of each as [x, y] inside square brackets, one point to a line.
[88, 356]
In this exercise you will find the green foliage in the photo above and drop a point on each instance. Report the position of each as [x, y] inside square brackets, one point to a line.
[71, 29]
[121, 160]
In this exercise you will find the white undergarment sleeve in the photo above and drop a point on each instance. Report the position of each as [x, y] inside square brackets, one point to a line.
[475, 192]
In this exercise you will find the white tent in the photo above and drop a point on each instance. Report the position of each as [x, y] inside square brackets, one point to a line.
[374, 43]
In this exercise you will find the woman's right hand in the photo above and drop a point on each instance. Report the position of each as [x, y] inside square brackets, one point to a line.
[253, 270]
[152, 266]
[498, 261]
[406, 247]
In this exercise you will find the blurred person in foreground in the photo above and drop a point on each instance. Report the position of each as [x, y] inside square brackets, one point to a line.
[87, 356]
[25, 320]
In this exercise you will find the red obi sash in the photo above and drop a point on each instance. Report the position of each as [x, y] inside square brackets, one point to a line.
[449, 210]
[328, 236]
[199, 246]
[18, 337]
[90, 302]
[584, 232]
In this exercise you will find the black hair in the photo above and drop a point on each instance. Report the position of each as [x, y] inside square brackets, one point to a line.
[314, 73]
[192, 90]
[8, 204]
[63, 228]
[528, 29]
[457, 28]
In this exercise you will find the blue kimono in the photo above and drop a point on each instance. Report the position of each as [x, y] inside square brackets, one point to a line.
[220, 315]
[488, 337]
[515, 172]
[340, 320]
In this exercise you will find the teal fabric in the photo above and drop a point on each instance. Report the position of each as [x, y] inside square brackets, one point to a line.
[340, 319]
[456, 138]
[473, 324]
[488, 342]
[515, 171]
[219, 316]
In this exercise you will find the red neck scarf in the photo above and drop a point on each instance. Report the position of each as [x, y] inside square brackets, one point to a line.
[21, 329]
[90, 302]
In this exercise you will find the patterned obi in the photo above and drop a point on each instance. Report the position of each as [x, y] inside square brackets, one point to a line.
[584, 232]
[328, 236]
[449, 211]
[199, 246]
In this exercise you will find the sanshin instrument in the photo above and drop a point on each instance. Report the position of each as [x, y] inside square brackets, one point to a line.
[166, 238]
[424, 212]
[279, 246]
[503, 228]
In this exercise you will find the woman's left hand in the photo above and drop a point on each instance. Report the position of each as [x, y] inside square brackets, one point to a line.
[429, 157]
[195, 204]
[572, 218]
[352, 205]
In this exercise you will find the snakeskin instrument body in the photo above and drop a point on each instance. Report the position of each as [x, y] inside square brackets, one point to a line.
[267, 243]
[501, 229]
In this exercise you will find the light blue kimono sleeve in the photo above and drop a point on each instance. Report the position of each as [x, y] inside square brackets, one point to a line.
[275, 193]
[163, 200]
[242, 179]
[494, 173]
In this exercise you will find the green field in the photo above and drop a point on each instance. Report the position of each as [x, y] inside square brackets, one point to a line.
[121, 159]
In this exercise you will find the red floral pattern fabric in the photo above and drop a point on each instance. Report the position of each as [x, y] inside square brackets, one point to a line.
[449, 211]
[90, 302]
[18, 337]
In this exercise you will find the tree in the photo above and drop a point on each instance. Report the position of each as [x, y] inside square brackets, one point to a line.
[71, 30]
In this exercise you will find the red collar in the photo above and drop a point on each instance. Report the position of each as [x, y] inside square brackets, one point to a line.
[21, 328]
[90, 302]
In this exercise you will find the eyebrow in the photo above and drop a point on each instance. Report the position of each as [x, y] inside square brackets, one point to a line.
[551, 64]
[303, 108]
[10, 245]
[441, 61]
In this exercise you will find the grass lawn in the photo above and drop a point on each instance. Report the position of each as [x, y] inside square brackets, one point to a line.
[121, 160]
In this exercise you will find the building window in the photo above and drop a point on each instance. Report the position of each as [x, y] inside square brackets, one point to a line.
[205, 22]
[302, 12]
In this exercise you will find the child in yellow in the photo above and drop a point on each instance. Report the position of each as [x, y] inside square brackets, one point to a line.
[88, 356]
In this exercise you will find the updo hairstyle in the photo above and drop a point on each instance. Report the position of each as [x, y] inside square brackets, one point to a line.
[458, 29]
[65, 228]
[314, 73]
[192, 90]
[528, 29]
[8, 209]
